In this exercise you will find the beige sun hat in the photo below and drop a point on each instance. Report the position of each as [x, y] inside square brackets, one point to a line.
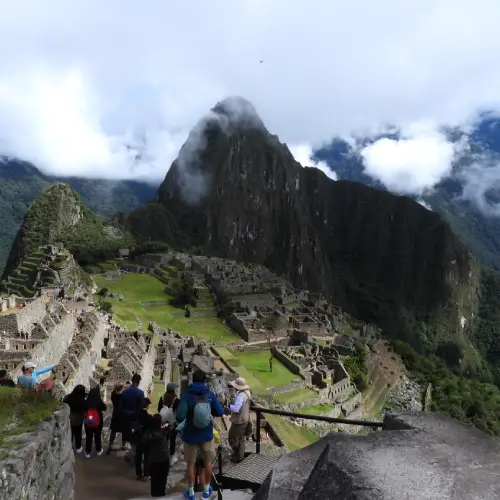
[240, 384]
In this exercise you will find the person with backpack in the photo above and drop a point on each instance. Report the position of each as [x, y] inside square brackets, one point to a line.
[76, 402]
[167, 407]
[93, 421]
[240, 419]
[157, 449]
[197, 407]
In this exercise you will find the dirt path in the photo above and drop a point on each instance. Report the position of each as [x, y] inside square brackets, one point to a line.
[106, 478]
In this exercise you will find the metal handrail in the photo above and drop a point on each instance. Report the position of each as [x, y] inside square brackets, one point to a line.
[260, 410]
[333, 420]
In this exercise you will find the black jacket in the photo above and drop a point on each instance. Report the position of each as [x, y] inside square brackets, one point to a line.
[77, 407]
[157, 446]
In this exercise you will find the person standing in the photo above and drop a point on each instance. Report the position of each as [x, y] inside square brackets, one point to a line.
[240, 417]
[117, 424]
[197, 407]
[132, 400]
[167, 407]
[76, 402]
[141, 456]
[93, 421]
[157, 450]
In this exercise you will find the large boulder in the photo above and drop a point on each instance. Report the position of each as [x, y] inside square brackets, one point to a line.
[416, 456]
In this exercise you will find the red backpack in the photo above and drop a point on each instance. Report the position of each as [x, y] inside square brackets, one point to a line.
[92, 418]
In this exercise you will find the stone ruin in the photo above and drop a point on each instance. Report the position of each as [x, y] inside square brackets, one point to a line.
[321, 368]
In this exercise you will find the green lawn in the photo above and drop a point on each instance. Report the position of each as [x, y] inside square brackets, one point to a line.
[138, 288]
[158, 392]
[319, 409]
[295, 396]
[293, 436]
[257, 362]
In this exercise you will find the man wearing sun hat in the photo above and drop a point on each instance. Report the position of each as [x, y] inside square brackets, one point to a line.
[240, 416]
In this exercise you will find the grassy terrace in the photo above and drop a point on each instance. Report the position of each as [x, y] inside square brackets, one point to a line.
[26, 409]
[294, 436]
[137, 288]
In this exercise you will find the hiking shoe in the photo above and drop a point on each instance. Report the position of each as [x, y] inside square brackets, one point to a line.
[187, 496]
[100, 452]
[207, 494]
[79, 450]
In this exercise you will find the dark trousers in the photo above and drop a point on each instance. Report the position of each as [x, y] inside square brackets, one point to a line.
[159, 474]
[173, 435]
[93, 433]
[140, 457]
[76, 434]
[236, 438]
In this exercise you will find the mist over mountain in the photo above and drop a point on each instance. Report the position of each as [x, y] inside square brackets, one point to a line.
[455, 172]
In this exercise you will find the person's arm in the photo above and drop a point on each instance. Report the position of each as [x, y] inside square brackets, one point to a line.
[43, 370]
[217, 409]
[160, 404]
[238, 403]
[182, 410]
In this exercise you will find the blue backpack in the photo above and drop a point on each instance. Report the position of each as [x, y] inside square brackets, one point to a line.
[201, 411]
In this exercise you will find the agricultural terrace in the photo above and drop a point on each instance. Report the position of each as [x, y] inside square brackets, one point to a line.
[252, 366]
[138, 289]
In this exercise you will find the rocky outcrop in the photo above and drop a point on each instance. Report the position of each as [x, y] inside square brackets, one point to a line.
[58, 217]
[42, 467]
[416, 456]
[235, 191]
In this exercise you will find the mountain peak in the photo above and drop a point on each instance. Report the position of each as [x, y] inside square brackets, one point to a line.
[237, 112]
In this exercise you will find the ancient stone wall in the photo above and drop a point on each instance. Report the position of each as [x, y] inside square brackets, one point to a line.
[53, 348]
[42, 468]
[148, 366]
[23, 319]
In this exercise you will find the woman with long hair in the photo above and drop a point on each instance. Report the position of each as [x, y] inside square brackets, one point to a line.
[167, 407]
[76, 402]
[118, 423]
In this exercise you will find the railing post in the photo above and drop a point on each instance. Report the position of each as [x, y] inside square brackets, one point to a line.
[257, 433]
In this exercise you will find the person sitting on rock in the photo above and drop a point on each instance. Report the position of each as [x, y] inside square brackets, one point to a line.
[28, 378]
[5, 381]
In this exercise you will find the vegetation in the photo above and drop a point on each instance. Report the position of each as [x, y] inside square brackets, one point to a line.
[257, 363]
[25, 409]
[184, 295]
[140, 289]
[356, 367]
[59, 216]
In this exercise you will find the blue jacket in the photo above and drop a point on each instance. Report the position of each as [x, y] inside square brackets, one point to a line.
[191, 434]
[25, 383]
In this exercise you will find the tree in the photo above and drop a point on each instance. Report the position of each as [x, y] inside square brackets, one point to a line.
[103, 293]
[271, 324]
[106, 306]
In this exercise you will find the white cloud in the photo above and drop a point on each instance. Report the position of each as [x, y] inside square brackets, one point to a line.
[303, 154]
[82, 80]
[409, 165]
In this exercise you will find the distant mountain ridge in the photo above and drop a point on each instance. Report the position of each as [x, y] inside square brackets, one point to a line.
[383, 258]
[21, 183]
[478, 228]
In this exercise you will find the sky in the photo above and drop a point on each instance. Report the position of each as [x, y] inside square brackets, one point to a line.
[85, 86]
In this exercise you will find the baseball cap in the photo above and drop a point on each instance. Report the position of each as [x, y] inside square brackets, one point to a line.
[171, 386]
[29, 366]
